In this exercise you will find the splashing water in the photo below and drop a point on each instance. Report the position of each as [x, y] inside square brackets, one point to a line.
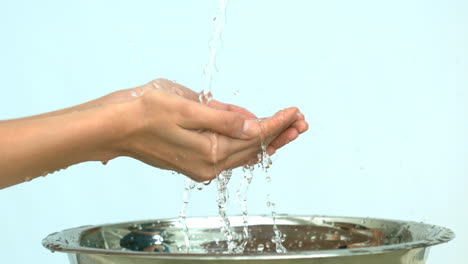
[222, 198]
[205, 97]
[214, 45]
[183, 211]
[265, 164]
[242, 198]
[200, 186]
[223, 178]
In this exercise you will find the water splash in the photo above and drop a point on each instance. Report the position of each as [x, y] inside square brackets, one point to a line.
[183, 211]
[214, 45]
[242, 198]
[222, 198]
[260, 247]
[205, 97]
[200, 186]
[265, 164]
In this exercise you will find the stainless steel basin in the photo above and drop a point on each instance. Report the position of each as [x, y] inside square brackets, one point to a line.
[308, 239]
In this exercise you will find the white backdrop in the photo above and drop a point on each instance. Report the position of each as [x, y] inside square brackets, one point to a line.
[383, 85]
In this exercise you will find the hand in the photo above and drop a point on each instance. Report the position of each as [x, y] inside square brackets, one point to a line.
[173, 131]
[160, 123]
[298, 127]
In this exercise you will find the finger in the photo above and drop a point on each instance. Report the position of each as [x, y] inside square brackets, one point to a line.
[237, 153]
[249, 161]
[247, 156]
[241, 110]
[240, 158]
[198, 116]
[233, 108]
[260, 131]
[300, 116]
[271, 151]
[174, 88]
[274, 126]
[287, 136]
[301, 126]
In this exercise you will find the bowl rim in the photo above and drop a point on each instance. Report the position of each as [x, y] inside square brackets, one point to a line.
[67, 241]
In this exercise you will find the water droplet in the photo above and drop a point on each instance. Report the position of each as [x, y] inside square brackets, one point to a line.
[299, 244]
[260, 247]
[177, 91]
[236, 92]
[313, 238]
[200, 186]
[104, 162]
[158, 239]
[207, 182]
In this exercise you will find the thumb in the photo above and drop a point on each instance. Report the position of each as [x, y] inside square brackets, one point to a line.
[272, 127]
[228, 123]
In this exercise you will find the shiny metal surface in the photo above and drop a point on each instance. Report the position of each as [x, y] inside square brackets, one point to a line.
[308, 239]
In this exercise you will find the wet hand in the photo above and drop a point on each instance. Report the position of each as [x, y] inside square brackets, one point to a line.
[161, 123]
[173, 131]
[289, 134]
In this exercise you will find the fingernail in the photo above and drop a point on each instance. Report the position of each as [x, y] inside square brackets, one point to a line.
[249, 128]
[245, 130]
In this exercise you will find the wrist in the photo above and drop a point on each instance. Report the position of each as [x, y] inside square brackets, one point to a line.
[120, 123]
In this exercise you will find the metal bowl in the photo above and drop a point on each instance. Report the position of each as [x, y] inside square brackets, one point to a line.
[308, 239]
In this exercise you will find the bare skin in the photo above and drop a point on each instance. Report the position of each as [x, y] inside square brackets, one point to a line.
[160, 123]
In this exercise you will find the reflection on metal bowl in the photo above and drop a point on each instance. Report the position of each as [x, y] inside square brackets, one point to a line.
[308, 239]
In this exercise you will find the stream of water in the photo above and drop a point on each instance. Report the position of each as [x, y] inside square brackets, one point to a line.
[223, 178]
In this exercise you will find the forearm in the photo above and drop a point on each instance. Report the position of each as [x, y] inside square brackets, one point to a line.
[34, 147]
[116, 97]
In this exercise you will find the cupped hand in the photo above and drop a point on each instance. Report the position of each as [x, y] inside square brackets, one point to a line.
[298, 127]
[174, 131]
[292, 132]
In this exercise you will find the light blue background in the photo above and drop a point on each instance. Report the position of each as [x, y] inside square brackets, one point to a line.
[383, 85]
